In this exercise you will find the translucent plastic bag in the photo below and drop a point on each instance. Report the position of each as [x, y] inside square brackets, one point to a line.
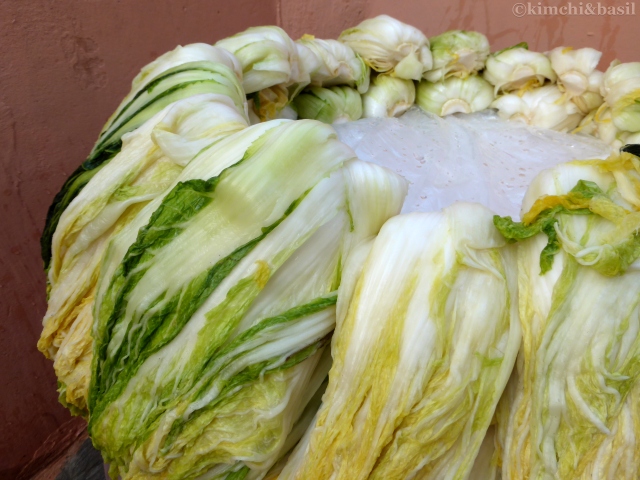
[476, 158]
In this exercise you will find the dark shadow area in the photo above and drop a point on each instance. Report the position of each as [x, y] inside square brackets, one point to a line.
[85, 465]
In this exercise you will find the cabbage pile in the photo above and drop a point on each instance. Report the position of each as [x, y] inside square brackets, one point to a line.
[234, 294]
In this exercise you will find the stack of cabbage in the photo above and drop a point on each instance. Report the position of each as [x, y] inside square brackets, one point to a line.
[382, 66]
[426, 338]
[573, 411]
[204, 259]
[200, 258]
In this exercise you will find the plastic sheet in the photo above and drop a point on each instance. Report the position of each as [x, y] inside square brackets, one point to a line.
[476, 158]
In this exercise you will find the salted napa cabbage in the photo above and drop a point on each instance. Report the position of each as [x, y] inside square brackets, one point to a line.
[216, 301]
[274, 102]
[454, 95]
[488, 463]
[426, 337]
[181, 81]
[334, 63]
[578, 78]
[182, 73]
[150, 160]
[621, 90]
[517, 68]
[267, 103]
[630, 138]
[267, 55]
[195, 52]
[329, 105]
[588, 102]
[574, 68]
[599, 124]
[484, 466]
[457, 53]
[275, 69]
[308, 62]
[575, 413]
[544, 107]
[390, 46]
[619, 80]
[388, 97]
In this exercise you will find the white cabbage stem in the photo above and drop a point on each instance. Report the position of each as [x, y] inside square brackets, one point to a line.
[575, 68]
[389, 46]
[454, 95]
[388, 97]
[334, 63]
[518, 68]
[457, 53]
[544, 107]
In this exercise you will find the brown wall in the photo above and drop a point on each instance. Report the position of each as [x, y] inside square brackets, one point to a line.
[64, 67]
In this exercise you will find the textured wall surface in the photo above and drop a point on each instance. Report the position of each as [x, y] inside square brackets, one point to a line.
[300, 17]
[65, 66]
[616, 36]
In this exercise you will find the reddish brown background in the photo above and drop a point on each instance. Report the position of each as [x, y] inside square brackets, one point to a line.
[65, 66]
[63, 69]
